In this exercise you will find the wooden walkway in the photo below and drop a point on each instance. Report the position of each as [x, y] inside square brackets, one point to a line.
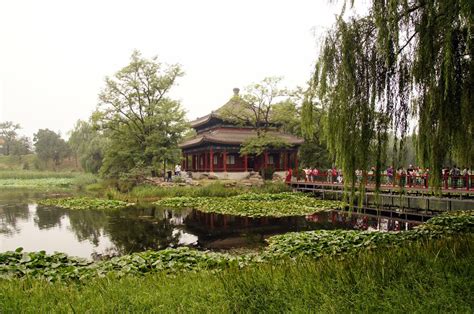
[419, 201]
[386, 188]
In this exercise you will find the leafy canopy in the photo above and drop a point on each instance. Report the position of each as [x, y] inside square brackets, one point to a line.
[87, 144]
[49, 146]
[407, 59]
[143, 124]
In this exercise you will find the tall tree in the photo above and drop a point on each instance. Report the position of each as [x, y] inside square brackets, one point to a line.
[143, 124]
[8, 132]
[255, 108]
[21, 146]
[410, 58]
[87, 145]
[313, 152]
[49, 146]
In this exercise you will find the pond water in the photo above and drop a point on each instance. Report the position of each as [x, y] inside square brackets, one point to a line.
[90, 234]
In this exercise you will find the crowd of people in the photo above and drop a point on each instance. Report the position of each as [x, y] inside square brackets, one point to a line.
[454, 177]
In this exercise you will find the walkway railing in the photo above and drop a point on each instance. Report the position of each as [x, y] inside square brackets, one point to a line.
[462, 182]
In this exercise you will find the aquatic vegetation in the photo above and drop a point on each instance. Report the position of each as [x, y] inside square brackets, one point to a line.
[44, 179]
[37, 183]
[84, 203]
[255, 205]
[35, 174]
[335, 242]
[424, 277]
[312, 244]
[59, 266]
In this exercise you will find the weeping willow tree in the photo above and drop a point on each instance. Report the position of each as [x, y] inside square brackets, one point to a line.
[405, 61]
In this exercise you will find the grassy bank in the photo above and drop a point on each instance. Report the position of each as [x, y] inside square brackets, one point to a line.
[44, 179]
[214, 189]
[425, 276]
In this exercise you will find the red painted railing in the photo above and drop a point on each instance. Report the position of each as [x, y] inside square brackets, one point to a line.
[462, 182]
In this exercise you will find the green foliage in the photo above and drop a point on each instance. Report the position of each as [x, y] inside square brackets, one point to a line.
[216, 189]
[143, 125]
[87, 145]
[37, 183]
[255, 205]
[44, 179]
[50, 146]
[423, 277]
[404, 60]
[351, 245]
[254, 107]
[59, 266]
[420, 277]
[84, 203]
[8, 133]
[31, 174]
[257, 145]
[13, 145]
[336, 242]
[288, 116]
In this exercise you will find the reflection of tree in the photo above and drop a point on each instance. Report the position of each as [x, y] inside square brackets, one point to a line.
[9, 216]
[87, 225]
[136, 231]
[48, 217]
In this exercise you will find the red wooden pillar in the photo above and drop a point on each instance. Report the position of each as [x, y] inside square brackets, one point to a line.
[225, 160]
[211, 160]
[285, 156]
[245, 163]
[296, 166]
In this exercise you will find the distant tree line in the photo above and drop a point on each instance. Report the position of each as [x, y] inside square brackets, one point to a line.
[48, 145]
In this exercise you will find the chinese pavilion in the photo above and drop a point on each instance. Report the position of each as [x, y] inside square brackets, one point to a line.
[216, 146]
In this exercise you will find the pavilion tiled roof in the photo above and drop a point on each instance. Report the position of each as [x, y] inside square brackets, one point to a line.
[236, 106]
[236, 136]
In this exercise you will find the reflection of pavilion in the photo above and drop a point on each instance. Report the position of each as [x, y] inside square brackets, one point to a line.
[217, 231]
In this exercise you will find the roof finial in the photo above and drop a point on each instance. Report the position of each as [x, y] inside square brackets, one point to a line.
[236, 91]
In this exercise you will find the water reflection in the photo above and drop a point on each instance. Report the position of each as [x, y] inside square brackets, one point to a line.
[217, 231]
[140, 230]
[86, 233]
[10, 216]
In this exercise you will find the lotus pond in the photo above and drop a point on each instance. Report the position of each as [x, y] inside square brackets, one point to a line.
[126, 229]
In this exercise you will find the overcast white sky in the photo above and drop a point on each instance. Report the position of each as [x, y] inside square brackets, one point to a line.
[54, 55]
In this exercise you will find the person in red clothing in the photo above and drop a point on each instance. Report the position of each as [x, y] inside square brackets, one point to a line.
[288, 175]
[334, 175]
